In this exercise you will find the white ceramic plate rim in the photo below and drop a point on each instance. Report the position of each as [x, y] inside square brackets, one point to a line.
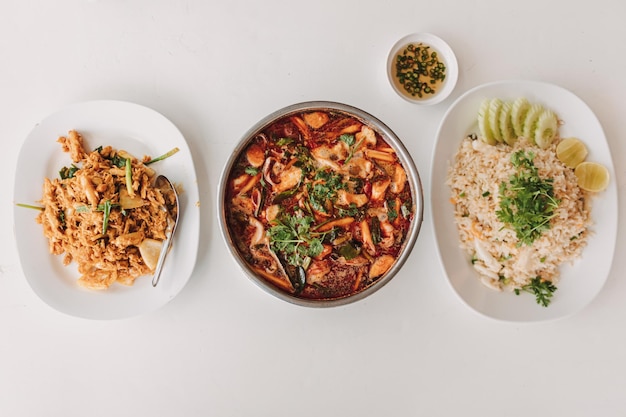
[581, 281]
[452, 68]
[123, 125]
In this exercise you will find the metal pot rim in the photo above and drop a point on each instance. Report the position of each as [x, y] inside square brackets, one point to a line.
[390, 137]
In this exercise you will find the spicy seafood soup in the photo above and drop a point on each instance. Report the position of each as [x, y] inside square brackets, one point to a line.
[320, 204]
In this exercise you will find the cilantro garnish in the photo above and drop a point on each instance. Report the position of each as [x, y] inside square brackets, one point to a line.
[351, 211]
[250, 170]
[293, 239]
[392, 212]
[284, 141]
[527, 201]
[542, 290]
[324, 188]
[347, 139]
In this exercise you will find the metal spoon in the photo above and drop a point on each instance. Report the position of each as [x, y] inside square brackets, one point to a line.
[168, 190]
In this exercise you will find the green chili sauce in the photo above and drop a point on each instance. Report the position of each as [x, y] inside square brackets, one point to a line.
[419, 71]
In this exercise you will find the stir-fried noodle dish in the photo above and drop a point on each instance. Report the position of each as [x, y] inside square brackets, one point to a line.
[319, 205]
[104, 214]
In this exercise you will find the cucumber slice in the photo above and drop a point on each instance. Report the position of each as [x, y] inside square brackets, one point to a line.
[506, 124]
[483, 123]
[495, 106]
[518, 114]
[530, 122]
[546, 129]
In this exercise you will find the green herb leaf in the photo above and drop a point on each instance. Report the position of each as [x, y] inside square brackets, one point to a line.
[107, 213]
[375, 230]
[320, 192]
[527, 202]
[284, 141]
[30, 206]
[68, 172]
[351, 211]
[542, 290]
[350, 141]
[251, 170]
[162, 157]
[118, 161]
[348, 251]
[392, 212]
[347, 139]
[291, 237]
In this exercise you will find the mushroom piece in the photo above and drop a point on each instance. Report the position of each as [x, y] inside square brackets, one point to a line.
[315, 119]
[398, 180]
[381, 265]
[345, 198]
[366, 136]
[330, 155]
[358, 167]
[289, 178]
[379, 188]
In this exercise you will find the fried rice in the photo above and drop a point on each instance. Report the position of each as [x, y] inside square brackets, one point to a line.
[494, 249]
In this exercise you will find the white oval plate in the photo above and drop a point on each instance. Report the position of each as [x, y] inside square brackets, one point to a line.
[579, 282]
[123, 125]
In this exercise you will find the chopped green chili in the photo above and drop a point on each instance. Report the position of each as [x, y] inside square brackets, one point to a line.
[419, 70]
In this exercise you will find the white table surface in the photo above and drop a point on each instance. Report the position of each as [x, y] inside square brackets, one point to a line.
[223, 347]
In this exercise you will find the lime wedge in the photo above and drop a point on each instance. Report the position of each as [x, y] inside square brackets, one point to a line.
[592, 176]
[571, 151]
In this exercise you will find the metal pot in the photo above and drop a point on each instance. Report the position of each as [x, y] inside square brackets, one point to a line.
[389, 136]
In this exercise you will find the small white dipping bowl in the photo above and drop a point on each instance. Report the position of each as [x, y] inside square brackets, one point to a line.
[445, 54]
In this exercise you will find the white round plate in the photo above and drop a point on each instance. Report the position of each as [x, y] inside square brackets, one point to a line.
[579, 282]
[140, 131]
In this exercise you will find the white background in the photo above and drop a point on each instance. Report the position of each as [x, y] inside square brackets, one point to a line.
[223, 347]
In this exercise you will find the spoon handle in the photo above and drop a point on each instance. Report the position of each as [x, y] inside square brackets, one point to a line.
[163, 183]
[166, 247]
